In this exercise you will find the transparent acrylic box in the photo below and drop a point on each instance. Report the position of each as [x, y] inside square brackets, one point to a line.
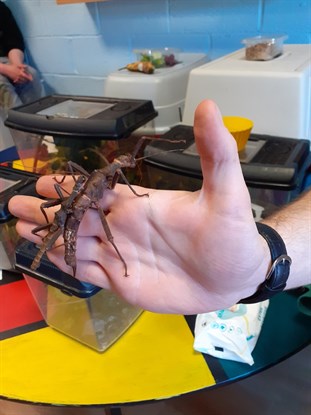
[96, 321]
[263, 48]
[90, 131]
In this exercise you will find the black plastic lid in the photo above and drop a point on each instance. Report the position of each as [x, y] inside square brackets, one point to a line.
[82, 116]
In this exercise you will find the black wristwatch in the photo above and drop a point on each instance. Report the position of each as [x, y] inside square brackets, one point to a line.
[278, 274]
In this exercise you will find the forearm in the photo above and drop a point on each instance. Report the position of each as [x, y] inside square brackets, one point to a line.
[16, 56]
[293, 223]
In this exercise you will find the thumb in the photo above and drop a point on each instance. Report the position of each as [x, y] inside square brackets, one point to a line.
[217, 148]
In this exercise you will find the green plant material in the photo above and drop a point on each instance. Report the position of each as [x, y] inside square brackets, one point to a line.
[156, 59]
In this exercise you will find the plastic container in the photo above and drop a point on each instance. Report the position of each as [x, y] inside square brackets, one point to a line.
[87, 313]
[8, 242]
[12, 182]
[159, 57]
[263, 48]
[97, 321]
[240, 128]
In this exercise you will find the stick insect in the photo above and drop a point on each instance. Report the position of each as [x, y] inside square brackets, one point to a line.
[86, 194]
[56, 228]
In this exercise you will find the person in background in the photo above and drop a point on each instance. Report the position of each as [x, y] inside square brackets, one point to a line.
[19, 83]
[186, 252]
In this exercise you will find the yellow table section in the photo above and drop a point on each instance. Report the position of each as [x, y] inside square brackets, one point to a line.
[154, 359]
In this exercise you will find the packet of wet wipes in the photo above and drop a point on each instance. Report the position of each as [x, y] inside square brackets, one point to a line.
[231, 333]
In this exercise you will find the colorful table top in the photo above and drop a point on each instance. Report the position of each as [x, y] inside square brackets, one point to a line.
[153, 360]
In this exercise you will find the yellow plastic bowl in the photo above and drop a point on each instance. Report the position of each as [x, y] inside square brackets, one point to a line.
[240, 128]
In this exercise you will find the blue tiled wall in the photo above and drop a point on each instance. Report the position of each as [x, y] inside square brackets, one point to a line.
[76, 46]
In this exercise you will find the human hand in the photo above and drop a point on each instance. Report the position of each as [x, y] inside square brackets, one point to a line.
[186, 252]
[17, 73]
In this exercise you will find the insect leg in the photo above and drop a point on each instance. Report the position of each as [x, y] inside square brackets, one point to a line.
[60, 190]
[130, 186]
[110, 237]
[40, 228]
[112, 181]
[75, 168]
[139, 143]
[47, 205]
[48, 241]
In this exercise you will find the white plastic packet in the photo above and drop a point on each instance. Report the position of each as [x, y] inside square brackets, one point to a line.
[231, 333]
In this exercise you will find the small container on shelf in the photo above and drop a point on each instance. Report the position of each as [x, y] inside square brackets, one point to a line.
[240, 128]
[263, 48]
[160, 58]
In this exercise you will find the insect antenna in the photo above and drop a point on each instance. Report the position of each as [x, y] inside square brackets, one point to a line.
[159, 152]
[144, 138]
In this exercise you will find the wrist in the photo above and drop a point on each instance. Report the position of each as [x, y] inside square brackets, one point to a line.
[261, 270]
[275, 279]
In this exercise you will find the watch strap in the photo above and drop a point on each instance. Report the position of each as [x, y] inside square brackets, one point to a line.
[278, 273]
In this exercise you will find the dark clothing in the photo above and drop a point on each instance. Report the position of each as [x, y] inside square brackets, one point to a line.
[13, 94]
[10, 35]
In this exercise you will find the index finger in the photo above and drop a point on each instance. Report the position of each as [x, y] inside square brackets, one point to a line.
[28, 209]
[45, 185]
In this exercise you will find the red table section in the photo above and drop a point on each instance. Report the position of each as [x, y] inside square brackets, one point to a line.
[19, 311]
